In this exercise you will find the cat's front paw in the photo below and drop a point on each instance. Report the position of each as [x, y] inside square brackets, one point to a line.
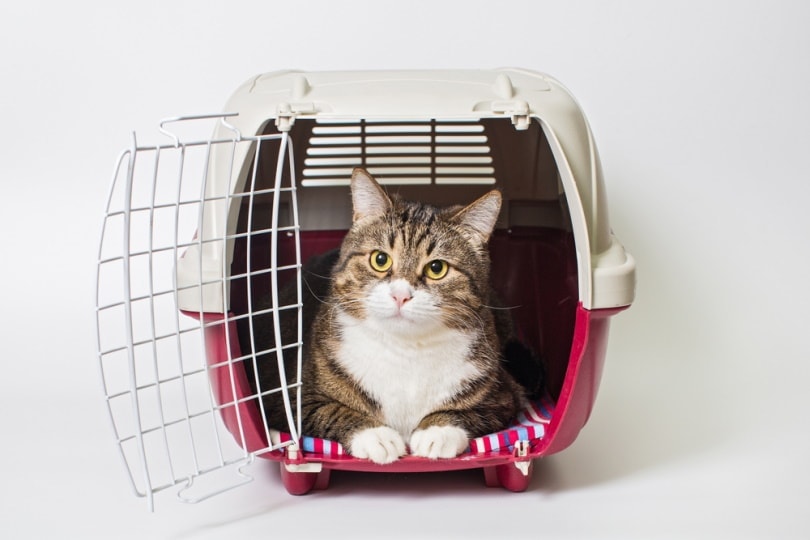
[380, 444]
[439, 442]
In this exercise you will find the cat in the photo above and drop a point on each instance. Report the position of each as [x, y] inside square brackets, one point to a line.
[405, 348]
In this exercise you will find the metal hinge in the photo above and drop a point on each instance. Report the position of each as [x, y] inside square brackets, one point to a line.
[296, 464]
[288, 111]
[517, 109]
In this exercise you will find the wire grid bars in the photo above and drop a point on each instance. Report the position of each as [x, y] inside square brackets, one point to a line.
[163, 293]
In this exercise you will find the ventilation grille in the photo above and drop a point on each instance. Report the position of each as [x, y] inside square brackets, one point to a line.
[441, 152]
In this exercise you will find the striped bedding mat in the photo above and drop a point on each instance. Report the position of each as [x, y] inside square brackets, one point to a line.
[530, 425]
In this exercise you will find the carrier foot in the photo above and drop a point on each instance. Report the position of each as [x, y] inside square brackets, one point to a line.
[299, 476]
[511, 476]
[301, 483]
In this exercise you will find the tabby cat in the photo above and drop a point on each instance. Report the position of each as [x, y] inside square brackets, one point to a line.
[404, 350]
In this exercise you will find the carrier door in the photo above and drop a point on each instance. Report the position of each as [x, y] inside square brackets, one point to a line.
[171, 366]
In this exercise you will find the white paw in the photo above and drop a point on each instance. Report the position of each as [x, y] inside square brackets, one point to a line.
[275, 437]
[438, 442]
[380, 444]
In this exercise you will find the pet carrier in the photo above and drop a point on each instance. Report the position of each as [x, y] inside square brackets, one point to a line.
[195, 231]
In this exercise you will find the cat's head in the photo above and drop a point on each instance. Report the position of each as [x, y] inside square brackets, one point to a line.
[412, 267]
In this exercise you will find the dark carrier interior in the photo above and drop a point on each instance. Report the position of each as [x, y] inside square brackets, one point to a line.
[534, 264]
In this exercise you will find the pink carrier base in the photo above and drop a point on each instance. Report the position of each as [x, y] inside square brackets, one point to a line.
[508, 469]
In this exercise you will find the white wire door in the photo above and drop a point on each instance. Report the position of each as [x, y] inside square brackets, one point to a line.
[172, 369]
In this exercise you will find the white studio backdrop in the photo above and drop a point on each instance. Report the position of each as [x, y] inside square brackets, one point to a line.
[700, 113]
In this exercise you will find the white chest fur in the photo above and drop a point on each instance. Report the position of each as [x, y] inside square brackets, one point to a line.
[408, 378]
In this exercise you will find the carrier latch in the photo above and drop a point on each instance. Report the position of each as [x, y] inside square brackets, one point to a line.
[288, 111]
[522, 451]
[517, 109]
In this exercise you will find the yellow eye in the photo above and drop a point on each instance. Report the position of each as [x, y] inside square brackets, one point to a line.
[380, 261]
[436, 269]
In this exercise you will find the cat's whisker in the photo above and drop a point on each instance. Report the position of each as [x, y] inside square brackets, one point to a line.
[502, 308]
[322, 276]
[466, 318]
[312, 292]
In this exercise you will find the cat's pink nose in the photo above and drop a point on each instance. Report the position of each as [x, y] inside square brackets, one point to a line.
[400, 297]
[401, 292]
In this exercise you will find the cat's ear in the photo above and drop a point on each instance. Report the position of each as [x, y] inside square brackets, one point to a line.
[368, 197]
[480, 216]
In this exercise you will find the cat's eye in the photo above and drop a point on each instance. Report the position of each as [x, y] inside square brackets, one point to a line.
[380, 261]
[436, 269]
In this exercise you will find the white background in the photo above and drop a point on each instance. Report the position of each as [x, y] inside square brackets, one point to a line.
[702, 115]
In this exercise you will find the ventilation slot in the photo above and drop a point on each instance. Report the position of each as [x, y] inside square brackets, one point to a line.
[399, 153]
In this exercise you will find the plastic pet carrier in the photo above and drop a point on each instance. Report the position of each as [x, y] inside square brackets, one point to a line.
[195, 231]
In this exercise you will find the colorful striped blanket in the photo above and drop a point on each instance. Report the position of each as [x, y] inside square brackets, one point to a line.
[530, 425]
